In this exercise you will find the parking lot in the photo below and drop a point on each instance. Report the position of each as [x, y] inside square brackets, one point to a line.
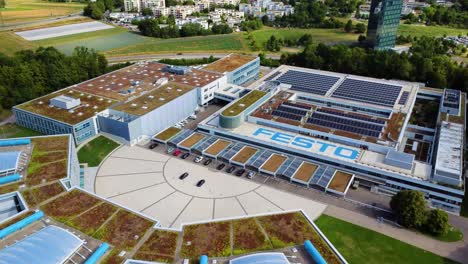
[148, 181]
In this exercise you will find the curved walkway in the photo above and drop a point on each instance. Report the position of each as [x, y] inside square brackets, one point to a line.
[148, 181]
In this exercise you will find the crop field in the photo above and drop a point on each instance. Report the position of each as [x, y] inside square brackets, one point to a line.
[20, 11]
[124, 230]
[63, 30]
[293, 229]
[218, 43]
[160, 246]
[248, 237]
[69, 205]
[211, 239]
[90, 221]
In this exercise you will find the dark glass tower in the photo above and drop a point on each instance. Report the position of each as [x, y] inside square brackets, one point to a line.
[384, 19]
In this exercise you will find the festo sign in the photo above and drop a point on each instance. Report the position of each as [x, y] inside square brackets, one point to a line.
[307, 143]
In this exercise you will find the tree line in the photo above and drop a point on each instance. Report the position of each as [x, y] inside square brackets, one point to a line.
[152, 28]
[30, 74]
[455, 15]
[96, 10]
[426, 62]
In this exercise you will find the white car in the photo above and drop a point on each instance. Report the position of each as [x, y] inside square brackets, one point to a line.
[198, 159]
[192, 117]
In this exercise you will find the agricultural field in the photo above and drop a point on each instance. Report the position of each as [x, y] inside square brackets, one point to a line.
[124, 230]
[21, 11]
[355, 243]
[96, 150]
[218, 43]
[160, 246]
[90, 221]
[211, 239]
[248, 237]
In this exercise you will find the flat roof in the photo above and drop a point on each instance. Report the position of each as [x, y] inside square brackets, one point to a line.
[168, 133]
[261, 258]
[244, 154]
[274, 162]
[154, 99]
[217, 147]
[340, 181]
[229, 63]
[51, 244]
[450, 147]
[305, 171]
[90, 105]
[240, 105]
[192, 140]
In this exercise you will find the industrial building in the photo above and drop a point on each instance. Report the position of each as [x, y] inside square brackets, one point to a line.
[135, 102]
[311, 126]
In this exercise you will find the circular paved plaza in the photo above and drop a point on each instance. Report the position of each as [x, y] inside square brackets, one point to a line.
[148, 181]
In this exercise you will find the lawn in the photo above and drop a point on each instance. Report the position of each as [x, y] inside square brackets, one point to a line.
[96, 150]
[429, 31]
[160, 246]
[20, 11]
[217, 43]
[361, 245]
[324, 35]
[14, 131]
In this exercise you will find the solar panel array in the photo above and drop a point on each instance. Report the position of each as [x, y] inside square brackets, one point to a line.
[255, 156]
[285, 166]
[261, 159]
[308, 82]
[368, 92]
[352, 126]
[326, 177]
[181, 136]
[271, 77]
[205, 143]
[403, 98]
[232, 151]
[297, 105]
[292, 168]
[292, 110]
[318, 173]
[363, 118]
[286, 115]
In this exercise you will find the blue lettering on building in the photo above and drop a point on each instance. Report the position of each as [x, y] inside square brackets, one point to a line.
[307, 143]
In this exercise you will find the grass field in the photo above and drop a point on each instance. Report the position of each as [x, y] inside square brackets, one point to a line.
[429, 31]
[20, 11]
[96, 150]
[14, 131]
[218, 43]
[11, 43]
[361, 245]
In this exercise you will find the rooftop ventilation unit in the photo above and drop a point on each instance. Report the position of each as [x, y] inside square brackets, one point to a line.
[144, 107]
[65, 102]
[179, 70]
[150, 96]
[80, 114]
[162, 99]
[133, 105]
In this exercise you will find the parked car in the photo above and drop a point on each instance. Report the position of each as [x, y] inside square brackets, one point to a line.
[221, 166]
[177, 152]
[198, 159]
[152, 146]
[240, 172]
[231, 169]
[193, 117]
[170, 150]
[251, 174]
[183, 175]
[207, 162]
[185, 155]
[200, 183]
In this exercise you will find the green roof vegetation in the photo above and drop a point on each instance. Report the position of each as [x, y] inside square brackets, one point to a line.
[243, 103]
[96, 150]
[168, 133]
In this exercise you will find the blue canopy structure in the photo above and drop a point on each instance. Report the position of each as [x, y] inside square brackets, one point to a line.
[9, 161]
[261, 258]
[15, 142]
[50, 245]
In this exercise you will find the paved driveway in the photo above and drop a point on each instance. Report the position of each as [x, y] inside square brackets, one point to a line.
[148, 181]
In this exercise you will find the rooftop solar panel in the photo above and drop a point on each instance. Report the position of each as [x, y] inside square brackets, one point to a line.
[318, 173]
[286, 115]
[344, 121]
[292, 110]
[181, 136]
[368, 92]
[338, 126]
[261, 159]
[292, 168]
[305, 107]
[403, 98]
[205, 143]
[271, 77]
[377, 121]
[285, 166]
[308, 82]
[233, 151]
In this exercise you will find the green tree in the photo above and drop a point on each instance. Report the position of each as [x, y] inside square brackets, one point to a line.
[349, 26]
[409, 207]
[2, 3]
[360, 28]
[147, 11]
[437, 222]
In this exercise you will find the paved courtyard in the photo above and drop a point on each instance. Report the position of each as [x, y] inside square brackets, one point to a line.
[148, 181]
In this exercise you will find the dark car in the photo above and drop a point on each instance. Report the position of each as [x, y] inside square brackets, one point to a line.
[183, 176]
[231, 169]
[221, 166]
[152, 146]
[185, 155]
[200, 183]
[240, 172]
[207, 162]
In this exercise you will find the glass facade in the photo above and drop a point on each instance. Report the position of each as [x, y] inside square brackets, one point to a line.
[245, 73]
[383, 23]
